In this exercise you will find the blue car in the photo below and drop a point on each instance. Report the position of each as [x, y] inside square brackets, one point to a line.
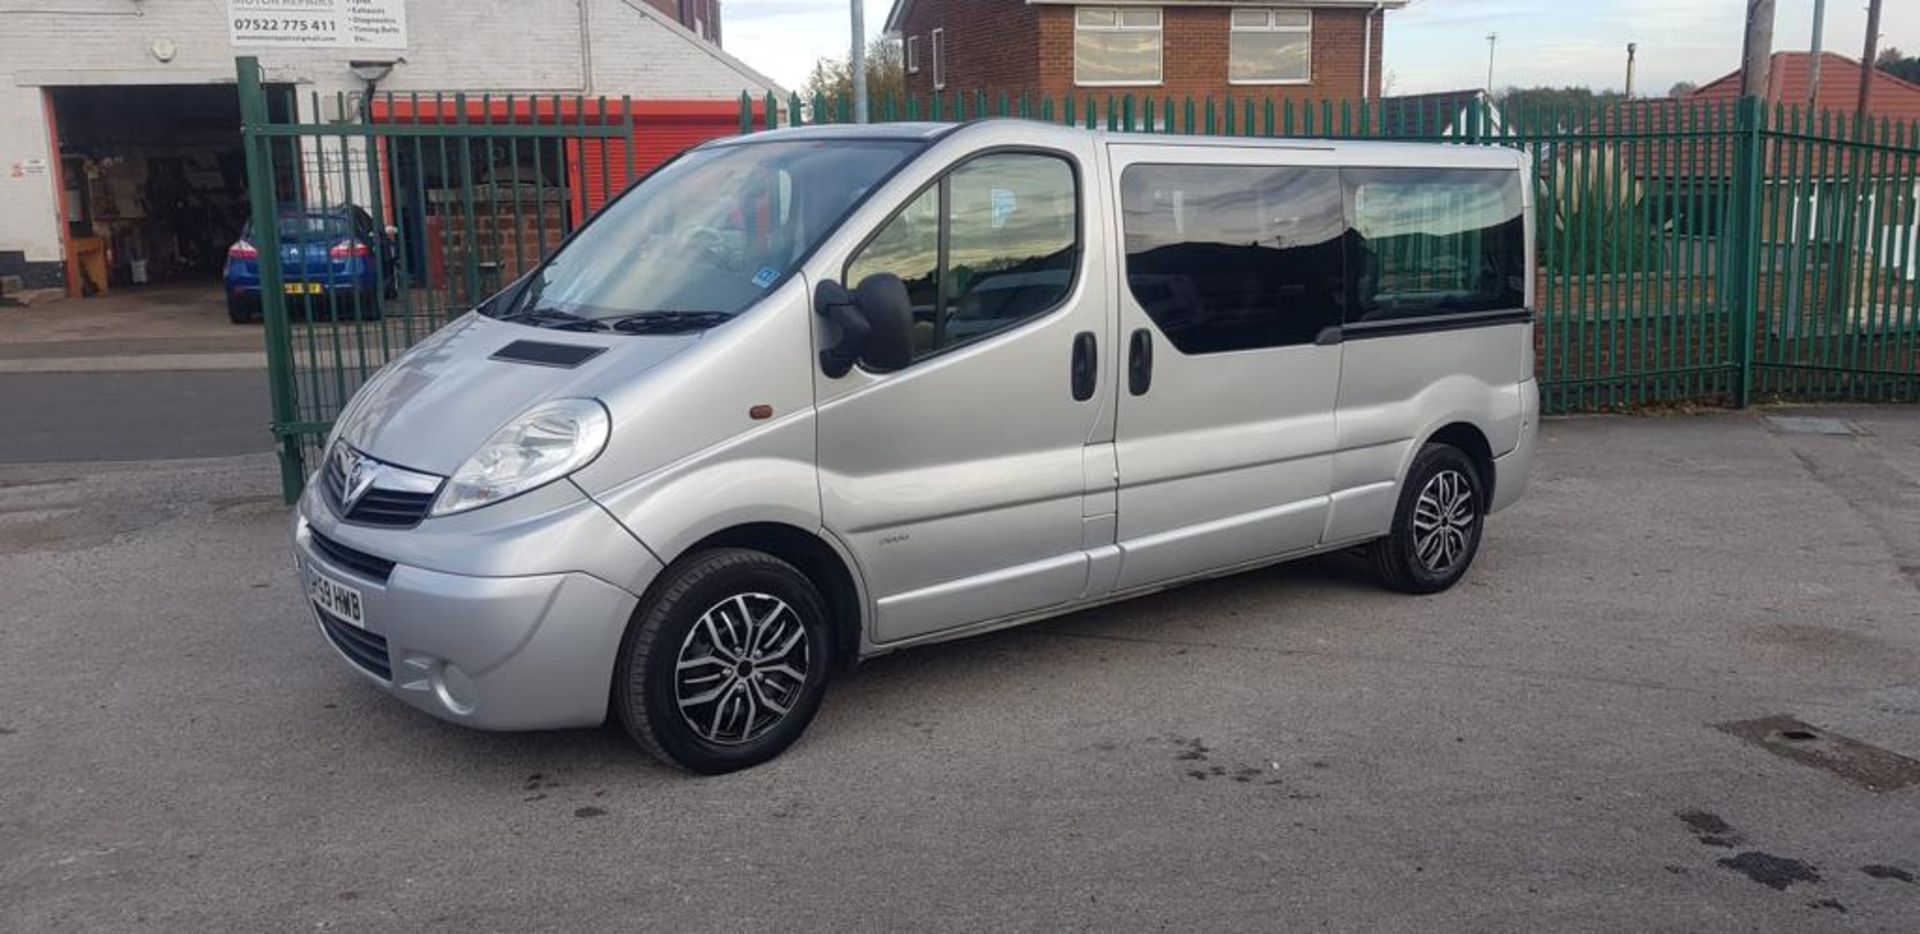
[335, 264]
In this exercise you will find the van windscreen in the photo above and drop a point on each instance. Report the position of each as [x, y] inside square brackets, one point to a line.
[703, 238]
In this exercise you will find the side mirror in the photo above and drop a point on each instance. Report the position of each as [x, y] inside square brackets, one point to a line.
[883, 299]
[833, 302]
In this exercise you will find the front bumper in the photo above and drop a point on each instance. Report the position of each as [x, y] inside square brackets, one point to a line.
[493, 651]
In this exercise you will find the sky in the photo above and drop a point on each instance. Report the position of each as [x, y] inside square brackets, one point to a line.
[1436, 45]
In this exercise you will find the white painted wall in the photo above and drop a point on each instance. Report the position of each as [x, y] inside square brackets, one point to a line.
[592, 47]
[29, 215]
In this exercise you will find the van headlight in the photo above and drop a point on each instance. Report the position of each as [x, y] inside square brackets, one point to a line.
[542, 445]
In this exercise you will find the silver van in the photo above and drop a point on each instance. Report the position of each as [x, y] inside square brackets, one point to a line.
[809, 396]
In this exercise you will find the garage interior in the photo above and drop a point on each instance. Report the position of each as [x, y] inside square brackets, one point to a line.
[155, 182]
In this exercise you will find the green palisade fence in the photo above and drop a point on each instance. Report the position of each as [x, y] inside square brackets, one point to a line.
[1689, 251]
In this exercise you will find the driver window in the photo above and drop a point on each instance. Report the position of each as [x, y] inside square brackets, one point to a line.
[908, 247]
[1011, 247]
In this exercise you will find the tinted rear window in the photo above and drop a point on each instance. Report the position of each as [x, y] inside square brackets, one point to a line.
[1241, 257]
[302, 227]
[1435, 242]
[1226, 258]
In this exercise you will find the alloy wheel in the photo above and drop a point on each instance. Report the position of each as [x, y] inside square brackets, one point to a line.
[741, 668]
[1443, 519]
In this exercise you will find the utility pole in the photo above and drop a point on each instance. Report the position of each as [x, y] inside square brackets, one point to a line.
[1493, 39]
[1758, 54]
[1867, 57]
[1633, 49]
[1819, 50]
[858, 61]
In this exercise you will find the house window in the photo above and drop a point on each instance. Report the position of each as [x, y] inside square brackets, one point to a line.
[939, 59]
[913, 55]
[1271, 47]
[1116, 45]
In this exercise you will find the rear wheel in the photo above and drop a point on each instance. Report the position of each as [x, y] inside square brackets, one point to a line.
[1437, 525]
[367, 305]
[239, 311]
[725, 663]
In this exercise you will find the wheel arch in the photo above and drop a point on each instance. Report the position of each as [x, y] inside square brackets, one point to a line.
[1468, 438]
[817, 558]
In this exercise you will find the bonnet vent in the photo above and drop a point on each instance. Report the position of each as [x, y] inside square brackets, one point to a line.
[540, 353]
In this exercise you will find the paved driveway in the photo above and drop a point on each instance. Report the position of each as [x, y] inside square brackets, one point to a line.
[1285, 750]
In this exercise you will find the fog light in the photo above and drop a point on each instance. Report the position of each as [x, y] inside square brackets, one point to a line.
[453, 688]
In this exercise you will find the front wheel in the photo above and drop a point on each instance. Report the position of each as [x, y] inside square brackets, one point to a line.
[725, 663]
[1437, 525]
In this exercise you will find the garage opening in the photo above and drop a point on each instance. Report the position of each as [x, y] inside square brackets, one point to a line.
[155, 183]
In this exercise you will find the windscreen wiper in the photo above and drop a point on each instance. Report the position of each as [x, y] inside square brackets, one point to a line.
[670, 322]
[555, 319]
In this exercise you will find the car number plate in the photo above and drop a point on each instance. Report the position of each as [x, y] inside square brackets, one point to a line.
[305, 288]
[338, 599]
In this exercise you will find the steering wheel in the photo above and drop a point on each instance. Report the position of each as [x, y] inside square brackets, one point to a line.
[706, 242]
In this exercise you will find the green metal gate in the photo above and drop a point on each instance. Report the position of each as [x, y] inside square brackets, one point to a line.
[1690, 251]
[377, 220]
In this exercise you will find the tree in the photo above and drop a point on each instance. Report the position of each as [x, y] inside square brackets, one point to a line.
[1541, 106]
[886, 75]
[1600, 217]
[1682, 89]
[1898, 64]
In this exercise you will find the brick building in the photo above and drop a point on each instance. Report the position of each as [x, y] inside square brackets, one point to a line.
[1309, 51]
[701, 17]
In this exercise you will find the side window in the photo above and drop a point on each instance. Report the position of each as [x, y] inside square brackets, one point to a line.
[908, 247]
[1435, 242]
[995, 243]
[1226, 258]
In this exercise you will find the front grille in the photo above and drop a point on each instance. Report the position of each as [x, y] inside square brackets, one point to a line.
[390, 507]
[336, 477]
[361, 647]
[378, 506]
[352, 559]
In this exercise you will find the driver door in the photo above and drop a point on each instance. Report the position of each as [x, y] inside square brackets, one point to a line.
[959, 481]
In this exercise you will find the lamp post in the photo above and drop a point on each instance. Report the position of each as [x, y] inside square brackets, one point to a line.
[1493, 39]
[1818, 50]
[858, 61]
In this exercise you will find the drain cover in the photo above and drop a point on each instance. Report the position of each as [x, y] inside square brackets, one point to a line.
[1868, 766]
[1811, 425]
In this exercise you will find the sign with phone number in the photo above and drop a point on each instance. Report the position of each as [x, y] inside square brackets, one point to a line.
[366, 24]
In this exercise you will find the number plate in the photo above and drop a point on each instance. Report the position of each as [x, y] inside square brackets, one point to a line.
[338, 599]
[305, 288]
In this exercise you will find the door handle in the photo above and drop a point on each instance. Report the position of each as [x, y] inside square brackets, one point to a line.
[1086, 365]
[1140, 363]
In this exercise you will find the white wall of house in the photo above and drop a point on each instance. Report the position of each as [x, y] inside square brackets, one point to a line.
[591, 47]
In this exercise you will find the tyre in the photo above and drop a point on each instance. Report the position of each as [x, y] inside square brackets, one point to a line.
[725, 663]
[239, 312]
[1437, 525]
